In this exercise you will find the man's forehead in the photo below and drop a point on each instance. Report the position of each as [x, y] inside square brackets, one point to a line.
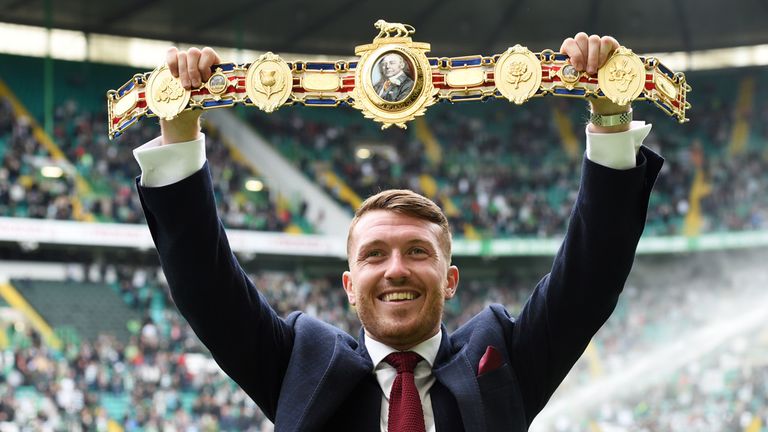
[382, 224]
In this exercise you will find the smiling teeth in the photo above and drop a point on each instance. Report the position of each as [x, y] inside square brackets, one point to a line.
[399, 296]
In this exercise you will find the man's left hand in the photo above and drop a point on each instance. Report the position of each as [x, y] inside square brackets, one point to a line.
[589, 53]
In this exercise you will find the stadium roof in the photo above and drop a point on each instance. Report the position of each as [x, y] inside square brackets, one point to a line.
[454, 27]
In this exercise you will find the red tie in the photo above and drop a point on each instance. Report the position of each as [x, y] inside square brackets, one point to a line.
[405, 413]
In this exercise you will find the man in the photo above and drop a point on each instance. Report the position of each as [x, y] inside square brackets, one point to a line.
[405, 373]
[394, 85]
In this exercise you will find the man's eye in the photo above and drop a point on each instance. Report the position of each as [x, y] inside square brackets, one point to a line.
[374, 253]
[418, 251]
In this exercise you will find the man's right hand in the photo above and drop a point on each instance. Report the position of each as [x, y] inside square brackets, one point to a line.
[193, 68]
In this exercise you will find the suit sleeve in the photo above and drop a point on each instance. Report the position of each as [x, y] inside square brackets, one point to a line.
[575, 299]
[250, 342]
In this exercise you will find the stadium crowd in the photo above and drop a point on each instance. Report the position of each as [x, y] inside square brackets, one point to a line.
[505, 174]
[157, 377]
[163, 384]
[501, 172]
[109, 170]
[724, 391]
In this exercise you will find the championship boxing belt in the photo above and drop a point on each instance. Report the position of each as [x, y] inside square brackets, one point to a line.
[416, 82]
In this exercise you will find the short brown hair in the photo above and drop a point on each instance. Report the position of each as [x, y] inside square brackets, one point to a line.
[409, 203]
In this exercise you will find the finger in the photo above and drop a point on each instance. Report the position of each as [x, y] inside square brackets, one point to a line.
[193, 61]
[582, 41]
[607, 46]
[571, 49]
[208, 58]
[183, 72]
[171, 59]
[594, 54]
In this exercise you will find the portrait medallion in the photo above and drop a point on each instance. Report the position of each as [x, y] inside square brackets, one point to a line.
[394, 83]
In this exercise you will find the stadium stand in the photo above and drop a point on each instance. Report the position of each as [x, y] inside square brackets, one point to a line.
[496, 171]
[162, 377]
[470, 160]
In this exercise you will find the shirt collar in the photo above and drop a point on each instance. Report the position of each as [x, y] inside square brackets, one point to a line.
[427, 349]
[398, 79]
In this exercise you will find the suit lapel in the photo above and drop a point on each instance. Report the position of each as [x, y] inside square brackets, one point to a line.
[315, 399]
[454, 371]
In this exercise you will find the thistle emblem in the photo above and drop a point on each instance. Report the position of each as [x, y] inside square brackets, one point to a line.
[267, 79]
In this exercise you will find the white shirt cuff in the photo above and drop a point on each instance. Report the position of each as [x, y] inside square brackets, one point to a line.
[617, 150]
[162, 165]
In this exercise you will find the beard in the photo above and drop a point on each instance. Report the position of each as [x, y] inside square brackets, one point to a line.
[404, 328]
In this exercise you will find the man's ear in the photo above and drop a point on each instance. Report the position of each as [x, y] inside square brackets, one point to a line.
[451, 282]
[346, 280]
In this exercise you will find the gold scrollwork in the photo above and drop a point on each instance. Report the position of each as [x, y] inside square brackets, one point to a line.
[268, 82]
[217, 84]
[125, 104]
[518, 74]
[569, 76]
[166, 97]
[622, 77]
[394, 81]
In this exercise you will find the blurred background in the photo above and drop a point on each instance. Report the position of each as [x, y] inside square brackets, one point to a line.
[90, 338]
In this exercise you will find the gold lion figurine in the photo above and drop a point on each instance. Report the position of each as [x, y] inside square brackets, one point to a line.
[387, 29]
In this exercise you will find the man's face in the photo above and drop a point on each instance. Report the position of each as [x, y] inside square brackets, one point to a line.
[391, 65]
[399, 277]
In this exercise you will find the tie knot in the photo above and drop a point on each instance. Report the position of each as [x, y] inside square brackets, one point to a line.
[403, 361]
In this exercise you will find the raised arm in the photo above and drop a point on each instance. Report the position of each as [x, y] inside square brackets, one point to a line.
[571, 303]
[251, 343]
[192, 67]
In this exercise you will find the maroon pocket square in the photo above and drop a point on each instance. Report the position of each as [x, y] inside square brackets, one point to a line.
[490, 361]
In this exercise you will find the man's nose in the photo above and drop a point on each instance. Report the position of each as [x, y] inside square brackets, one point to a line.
[397, 269]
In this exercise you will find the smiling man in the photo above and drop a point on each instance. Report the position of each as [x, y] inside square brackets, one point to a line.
[405, 373]
[399, 249]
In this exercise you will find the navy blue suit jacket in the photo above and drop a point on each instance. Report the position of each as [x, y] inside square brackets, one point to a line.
[307, 375]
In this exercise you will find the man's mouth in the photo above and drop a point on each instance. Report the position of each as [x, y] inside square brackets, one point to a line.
[398, 296]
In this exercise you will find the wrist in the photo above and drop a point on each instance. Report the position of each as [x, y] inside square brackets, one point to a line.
[608, 117]
[185, 127]
[604, 106]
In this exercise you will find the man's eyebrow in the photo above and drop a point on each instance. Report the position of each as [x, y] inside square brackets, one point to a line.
[374, 243]
[370, 244]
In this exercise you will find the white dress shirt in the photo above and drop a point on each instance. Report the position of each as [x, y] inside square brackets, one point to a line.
[422, 375]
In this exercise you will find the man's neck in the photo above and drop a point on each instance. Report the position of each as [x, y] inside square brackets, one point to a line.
[427, 349]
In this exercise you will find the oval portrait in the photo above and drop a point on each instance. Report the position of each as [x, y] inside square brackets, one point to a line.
[393, 76]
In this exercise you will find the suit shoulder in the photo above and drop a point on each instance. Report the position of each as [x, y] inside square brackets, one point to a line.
[312, 330]
[492, 319]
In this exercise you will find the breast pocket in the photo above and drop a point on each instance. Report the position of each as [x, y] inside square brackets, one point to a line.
[498, 378]
[502, 401]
